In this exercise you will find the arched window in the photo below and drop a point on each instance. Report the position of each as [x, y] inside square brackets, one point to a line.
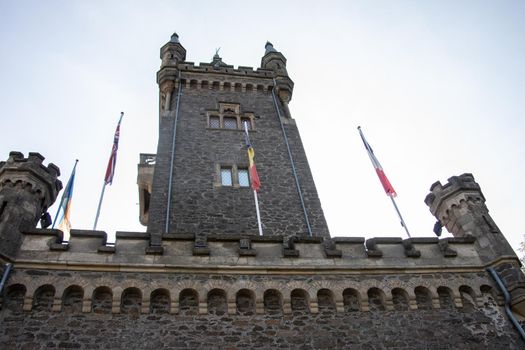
[351, 300]
[160, 301]
[43, 298]
[399, 299]
[245, 301]
[189, 302]
[300, 301]
[72, 299]
[102, 300]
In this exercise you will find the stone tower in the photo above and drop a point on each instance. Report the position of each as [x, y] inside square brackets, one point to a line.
[198, 180]
[202, 278]
[27, 189]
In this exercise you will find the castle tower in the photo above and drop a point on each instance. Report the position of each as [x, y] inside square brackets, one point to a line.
[460, 206]
[27, 190]
[199, 180]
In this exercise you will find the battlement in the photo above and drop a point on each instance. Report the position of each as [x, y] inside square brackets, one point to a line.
[32, 164]
[251, 252]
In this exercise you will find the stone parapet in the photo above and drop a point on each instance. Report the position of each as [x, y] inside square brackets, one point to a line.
[250, 252]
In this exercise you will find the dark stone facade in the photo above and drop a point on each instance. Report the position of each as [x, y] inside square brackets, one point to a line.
[199, 204]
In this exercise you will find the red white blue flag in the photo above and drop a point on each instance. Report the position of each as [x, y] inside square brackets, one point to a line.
[110, 170]
[389, 189]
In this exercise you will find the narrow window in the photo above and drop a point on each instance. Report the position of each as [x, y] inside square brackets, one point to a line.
[226, 176]
[230, 123]
[244, 180]
[215, 122]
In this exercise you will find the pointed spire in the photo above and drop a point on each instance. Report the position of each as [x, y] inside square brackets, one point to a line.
[269, 48]
[175, 38]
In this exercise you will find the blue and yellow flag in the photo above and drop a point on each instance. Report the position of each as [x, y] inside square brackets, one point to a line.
[65, 205]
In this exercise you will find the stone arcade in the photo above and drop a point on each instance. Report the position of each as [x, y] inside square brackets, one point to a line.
[201, 277]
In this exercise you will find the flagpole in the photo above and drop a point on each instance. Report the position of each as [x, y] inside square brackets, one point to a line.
[62, 199]
[259, 224]
[258, 213]
[99, 205]
[400, 217]
[390, 192]
[110, 170]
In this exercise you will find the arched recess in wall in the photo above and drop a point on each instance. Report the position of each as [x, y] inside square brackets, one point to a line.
[14, 297]
[188, 302]
[102, 300]
[72, 299]
[43, 298]
[325, 300]
[400, 299]
[273, 302]
[300, 301]
[446, 300]
[488, 296]
[351, 300]
[423, 298]
[468, 298]
[159, 301]
[376, 299]
[131, 301]
[217, 304]
[245, 302]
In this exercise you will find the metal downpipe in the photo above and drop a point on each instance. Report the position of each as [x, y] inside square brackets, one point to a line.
[291, 161]
[168, 205]
[506, 294]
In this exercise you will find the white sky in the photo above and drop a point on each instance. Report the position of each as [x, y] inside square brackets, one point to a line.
[437, 86]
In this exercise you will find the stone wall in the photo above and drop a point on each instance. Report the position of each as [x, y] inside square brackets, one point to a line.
[115, 310]
[200, 205]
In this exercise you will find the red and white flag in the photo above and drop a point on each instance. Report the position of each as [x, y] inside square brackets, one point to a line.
[389, 189]
[110, 170]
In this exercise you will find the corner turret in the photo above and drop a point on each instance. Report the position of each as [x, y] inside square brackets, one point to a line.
[171, 54]
[274, 60]
[460, 206]
[27, 190]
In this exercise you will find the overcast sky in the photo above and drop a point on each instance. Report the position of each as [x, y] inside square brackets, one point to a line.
[437, 86]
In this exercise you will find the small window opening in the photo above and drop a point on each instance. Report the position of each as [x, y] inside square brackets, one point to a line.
[230, 123]
[215, 122]
[226, 176]
[244, 180]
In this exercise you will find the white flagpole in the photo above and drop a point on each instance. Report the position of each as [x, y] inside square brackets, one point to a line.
[99, 205]
[400, 217]
[254, 191]
[258, 213]
[376, 164]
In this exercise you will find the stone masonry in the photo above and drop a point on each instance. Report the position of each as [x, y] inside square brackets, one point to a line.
[201, 277]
